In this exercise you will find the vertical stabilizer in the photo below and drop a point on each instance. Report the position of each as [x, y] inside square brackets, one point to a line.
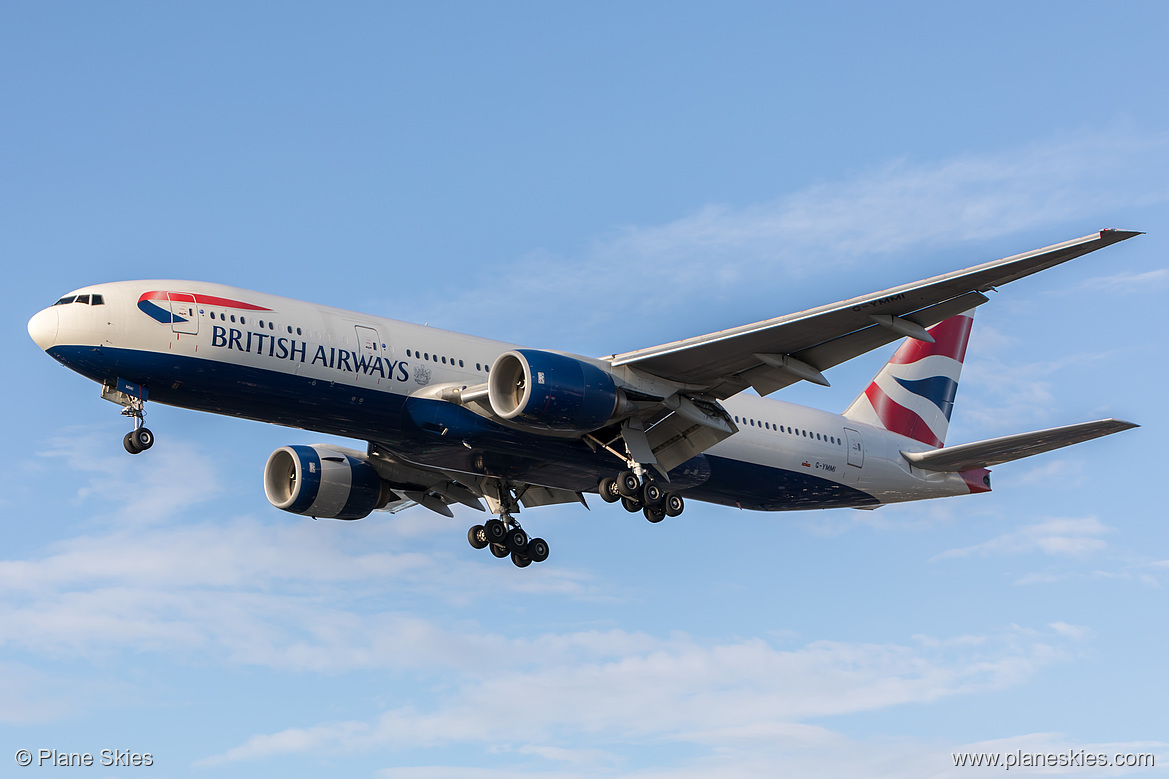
[913, 394]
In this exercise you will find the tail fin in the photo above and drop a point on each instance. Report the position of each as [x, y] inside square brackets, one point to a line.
[914, 393]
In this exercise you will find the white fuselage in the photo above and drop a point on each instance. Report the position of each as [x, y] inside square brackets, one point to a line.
[232, 351]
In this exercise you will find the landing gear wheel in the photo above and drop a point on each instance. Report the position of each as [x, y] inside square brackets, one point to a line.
[608, 490]
[628, 485]
[521, 561]
[517, 541]
[477, 537]
[495, 530]
[143, 438]
[499, 551]
[538, 550]
[654, 513]
[651, 494]
[674, 504]
[632, 505]
[130, 444]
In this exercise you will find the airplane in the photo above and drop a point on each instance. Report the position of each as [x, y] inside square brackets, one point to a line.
[454, 419]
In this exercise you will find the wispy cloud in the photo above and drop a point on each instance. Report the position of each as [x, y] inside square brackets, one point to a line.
[1072, 537]
[1124, 283]
[1003, 395]
[252, 595]
[742, 691]
[145, 490]
[750, 254]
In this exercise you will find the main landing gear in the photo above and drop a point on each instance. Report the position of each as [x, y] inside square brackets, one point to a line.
[140, 438]
[504, 536]
[637, 493]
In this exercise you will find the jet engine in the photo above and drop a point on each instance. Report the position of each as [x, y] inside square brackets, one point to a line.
[552, 391]
[324, 482]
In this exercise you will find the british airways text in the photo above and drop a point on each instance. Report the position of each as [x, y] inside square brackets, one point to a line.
[282, 348]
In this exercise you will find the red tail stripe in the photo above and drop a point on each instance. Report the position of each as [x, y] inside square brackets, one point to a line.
[950, 339]
[899, 419]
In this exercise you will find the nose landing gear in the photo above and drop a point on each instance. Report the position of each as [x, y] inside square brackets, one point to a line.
[132, 398]
[140, 438]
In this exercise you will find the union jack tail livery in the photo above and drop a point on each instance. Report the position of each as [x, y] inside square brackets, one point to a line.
[913, 394]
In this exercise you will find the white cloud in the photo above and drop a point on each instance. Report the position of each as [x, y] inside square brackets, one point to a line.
[999, 395]
[1124, 283]
[1077, 632]
[174, 476]
[29, 695]
[744, 692]
[1074, 537]
[288, 596]
[722, 253]
[825, 753]
[1049, 472]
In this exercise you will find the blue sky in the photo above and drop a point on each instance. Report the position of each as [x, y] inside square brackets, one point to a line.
[594, 178]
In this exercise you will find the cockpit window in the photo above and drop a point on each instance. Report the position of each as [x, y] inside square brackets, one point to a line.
[89, 300]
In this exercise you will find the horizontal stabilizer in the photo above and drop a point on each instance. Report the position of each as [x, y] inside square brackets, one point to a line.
[995, 451]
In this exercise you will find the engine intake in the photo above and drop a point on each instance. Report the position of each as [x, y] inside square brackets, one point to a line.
[324, 482]
[551, 391]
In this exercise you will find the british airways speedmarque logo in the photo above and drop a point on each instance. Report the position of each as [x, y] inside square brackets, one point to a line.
[163, 315]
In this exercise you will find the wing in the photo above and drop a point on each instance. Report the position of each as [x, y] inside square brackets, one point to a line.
[437, 489]
[772, 354]
[995, 451]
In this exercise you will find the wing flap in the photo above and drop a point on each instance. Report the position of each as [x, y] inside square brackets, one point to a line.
[995, 451]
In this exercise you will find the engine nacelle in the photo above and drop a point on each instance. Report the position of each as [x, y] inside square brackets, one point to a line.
[323, 481]
[551, 391]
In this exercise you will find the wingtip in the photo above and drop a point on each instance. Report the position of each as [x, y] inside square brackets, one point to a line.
[1119, 235]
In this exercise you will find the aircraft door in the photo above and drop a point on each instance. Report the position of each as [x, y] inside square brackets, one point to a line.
[184, 313]
[856, 447]
[369, 350]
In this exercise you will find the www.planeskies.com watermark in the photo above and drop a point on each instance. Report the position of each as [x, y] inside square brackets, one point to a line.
[1071, 758]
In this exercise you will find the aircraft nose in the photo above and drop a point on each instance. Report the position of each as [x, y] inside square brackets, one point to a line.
[43, 328]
